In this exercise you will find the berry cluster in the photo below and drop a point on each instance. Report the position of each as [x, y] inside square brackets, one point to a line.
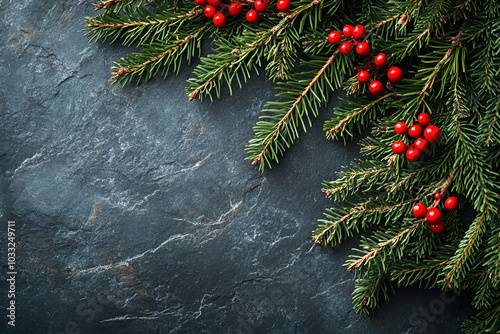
[434, 215]
[217, 10]
[431, 135]
[353, 35]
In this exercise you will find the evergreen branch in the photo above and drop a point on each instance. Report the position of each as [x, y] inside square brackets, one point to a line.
[468, 243]
[490, 127]
[360, 209]
[341, 124]
[150, 60]
[349, 177]
[411, 270]
[487, 320]
[442, 62]
[367, 290]
[274, 134]
[191, 14]
[384, 244]
[337, 126]
[405, 272]
[394, 186]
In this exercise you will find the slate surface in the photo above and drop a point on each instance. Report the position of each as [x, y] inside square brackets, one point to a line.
[136, 212]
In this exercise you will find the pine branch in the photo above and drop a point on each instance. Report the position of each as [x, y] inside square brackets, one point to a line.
[360, 173]
[156, 56]
[276, 132]
[337, 228]
[368, 289]
[447, 64]
[349, 117]
[139, 23]
[469, 244]
[382, 246]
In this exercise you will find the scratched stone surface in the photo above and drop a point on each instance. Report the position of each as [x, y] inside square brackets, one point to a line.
[136, 212]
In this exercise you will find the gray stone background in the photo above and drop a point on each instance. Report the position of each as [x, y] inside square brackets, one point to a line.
[136, 212]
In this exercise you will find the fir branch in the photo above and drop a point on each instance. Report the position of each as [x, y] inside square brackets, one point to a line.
[469, 243]
[347, 179]
[367, 291]
[276, 132]
[336, 126]
[370, 255]
[191, 14]
[359, 210]
[151, 60]
[441, 64]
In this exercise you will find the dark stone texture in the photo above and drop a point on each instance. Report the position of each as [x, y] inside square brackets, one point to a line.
[136, 212]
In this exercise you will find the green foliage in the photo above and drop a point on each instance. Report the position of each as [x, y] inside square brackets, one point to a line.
[452, 48]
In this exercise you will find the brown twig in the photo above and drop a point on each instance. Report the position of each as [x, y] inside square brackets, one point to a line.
[107, 4]
[381, 23]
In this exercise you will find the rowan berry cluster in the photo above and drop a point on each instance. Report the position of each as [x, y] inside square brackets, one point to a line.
[352, 37]
[218, 10]
[431, 134]
[434, 215]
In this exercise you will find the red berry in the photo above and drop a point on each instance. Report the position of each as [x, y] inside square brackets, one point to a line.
[421, 144]
[219, 20]
[252, 16]
[363, 76]
[345, 48]
[415, 131]
[284, 5]
[201, 2]
[424, 119]
[434, 216]
[419, 210]
[437, 196]
[334, 37]
[400, 128]
[363, 49]
[358, 31]
[214, 3]
[432, 133]
[381, 59]
[376, 87]
[437, 228]
[234, 9]
[347, 31]
[261, 5]
[451, 203]
[412, 154]
[209, 11]
[399, 147]
[395, 74]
